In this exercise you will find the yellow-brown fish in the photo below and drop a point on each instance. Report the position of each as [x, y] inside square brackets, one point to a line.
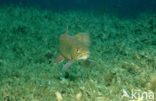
[73, 48]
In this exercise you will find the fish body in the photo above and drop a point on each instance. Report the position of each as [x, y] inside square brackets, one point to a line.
[73, 48]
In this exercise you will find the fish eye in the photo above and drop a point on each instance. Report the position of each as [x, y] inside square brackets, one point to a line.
[77, 50]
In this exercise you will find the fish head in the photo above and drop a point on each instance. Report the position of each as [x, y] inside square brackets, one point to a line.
[80, 53]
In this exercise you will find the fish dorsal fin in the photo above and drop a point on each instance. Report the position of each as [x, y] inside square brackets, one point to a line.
[66, 33]
[84, 38]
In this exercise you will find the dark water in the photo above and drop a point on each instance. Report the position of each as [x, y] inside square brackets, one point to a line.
[120, 7]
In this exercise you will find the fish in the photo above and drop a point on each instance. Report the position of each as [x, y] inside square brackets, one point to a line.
[73, 48]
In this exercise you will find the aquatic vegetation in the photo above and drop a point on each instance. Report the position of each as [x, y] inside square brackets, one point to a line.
[152, 83]
[59, 96]
[124, 51]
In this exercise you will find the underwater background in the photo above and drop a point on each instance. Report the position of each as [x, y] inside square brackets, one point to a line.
[123, 46]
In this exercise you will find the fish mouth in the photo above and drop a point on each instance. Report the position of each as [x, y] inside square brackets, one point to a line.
[84, 56]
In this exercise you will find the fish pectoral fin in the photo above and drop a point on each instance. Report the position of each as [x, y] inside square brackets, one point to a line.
[67, 66]
[59, 59]
[88, 63]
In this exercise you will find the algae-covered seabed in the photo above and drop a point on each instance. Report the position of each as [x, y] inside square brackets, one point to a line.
[124, 51]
